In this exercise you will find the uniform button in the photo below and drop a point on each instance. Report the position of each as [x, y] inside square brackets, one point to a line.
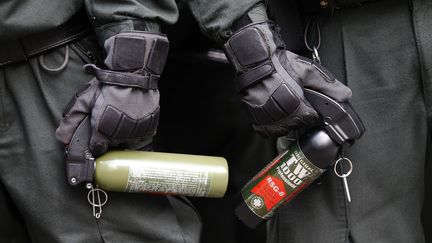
[324, 3]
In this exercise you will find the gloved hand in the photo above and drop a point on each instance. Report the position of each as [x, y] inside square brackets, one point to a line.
[271, 79]
[123, 102]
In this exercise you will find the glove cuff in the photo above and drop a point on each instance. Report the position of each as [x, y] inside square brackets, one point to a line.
[252, 52]
[252, 45]
[137, 50]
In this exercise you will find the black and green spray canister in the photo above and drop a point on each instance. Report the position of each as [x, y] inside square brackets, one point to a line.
[144, 171]
[304, 161]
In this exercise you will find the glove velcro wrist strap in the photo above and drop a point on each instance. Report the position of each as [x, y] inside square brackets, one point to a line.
[147, 81]
[253, 75]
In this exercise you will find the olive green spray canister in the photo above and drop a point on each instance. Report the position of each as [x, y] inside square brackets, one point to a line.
[141, 171]
[144, 171]
[162, 173]
[304, 161]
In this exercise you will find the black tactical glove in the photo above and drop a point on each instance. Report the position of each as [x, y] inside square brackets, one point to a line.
[271, 79]
[123, 102]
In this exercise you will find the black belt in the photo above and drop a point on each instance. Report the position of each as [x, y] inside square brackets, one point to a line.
[352, 3]
[327, 7]
[15, 51]
[316, 7]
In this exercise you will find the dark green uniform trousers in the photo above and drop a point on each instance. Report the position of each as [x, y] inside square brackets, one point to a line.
[382, 50]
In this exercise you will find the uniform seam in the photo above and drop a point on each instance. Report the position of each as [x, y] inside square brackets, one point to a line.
[340, 187]
[418, 45]
[347, 216]
[2, 106]
[342, 215]
[98, 224]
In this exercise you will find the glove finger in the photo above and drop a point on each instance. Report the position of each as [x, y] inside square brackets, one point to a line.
[131, 102]
[116, 128]
[281, 112]
[99, 143]
[143, 144]
[318, 78]
[77, 109]
[284, 142]
[121, 113]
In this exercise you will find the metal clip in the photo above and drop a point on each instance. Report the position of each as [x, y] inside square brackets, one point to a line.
[344, 176]
[315, 55]
[95, 200]
[313, 47]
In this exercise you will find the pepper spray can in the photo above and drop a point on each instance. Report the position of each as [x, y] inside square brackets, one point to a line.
[305, 160]
[286, 176]
[162, 173]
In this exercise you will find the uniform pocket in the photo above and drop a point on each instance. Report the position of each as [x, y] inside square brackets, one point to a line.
[88, 50]
[58, 87]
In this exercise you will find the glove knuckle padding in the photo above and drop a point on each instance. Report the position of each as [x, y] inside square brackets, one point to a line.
[280, 104]
[273, 95]
[118, 125]
[121, 112]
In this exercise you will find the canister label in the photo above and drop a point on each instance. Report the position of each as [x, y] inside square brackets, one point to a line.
[168, 180]
[279, 182]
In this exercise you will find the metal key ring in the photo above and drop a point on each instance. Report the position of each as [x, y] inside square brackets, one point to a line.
[349, 171]
[93, 190]
[316, 56]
